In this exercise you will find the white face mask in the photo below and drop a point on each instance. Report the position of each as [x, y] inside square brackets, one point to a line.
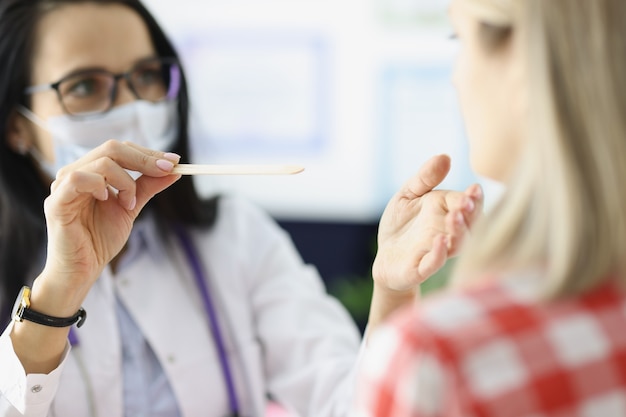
[152, 125]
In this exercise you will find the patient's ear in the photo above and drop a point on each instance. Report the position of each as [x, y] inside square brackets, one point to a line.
[19, 134]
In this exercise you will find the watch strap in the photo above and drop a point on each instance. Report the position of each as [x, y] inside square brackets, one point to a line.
[39, 318]
[22, 311]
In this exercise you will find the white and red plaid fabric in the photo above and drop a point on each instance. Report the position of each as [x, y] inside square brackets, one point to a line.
[495, 352]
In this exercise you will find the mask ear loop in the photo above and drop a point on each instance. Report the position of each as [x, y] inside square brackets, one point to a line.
[26, 112]
[24, 149]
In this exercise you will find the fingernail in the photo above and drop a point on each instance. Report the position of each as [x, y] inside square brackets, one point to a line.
[174, 157]
[132, 204]
[458, 218]
[469, 205]
[165, 165]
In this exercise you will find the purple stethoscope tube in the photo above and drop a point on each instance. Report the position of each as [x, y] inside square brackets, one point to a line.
[200, 276]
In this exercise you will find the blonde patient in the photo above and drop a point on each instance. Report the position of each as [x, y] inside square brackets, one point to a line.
[533, 323]
[188, 305]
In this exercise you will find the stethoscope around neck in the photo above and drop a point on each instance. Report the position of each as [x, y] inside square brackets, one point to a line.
[209, 306]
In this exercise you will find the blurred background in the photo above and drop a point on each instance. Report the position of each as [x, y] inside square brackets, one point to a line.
[356, 91]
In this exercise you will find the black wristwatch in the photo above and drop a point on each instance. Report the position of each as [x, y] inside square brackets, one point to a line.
[22, 311]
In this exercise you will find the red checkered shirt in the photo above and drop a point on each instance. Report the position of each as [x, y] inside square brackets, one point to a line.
[494, 351]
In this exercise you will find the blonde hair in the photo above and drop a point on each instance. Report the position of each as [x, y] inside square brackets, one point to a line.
[565, 207]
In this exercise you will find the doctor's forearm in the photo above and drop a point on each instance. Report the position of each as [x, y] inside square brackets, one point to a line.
[40, 348]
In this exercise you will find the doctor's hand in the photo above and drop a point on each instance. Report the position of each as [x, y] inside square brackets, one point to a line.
[419, 230]
[90, 213]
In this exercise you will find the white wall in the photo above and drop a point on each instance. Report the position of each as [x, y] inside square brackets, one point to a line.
[356, 91]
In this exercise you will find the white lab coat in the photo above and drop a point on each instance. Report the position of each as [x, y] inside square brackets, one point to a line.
[285, 336]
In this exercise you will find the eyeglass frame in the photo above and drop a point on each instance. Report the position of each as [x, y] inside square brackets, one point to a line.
[116, 78]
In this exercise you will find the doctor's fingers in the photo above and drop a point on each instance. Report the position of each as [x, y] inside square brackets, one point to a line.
[71, 191]
[102, 178]
[148, 187]
[170, 156]
[129, 157]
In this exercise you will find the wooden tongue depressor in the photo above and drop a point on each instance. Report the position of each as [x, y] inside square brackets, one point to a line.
[200, 169]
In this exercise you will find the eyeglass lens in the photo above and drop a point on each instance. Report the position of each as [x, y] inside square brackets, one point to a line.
[93, 92]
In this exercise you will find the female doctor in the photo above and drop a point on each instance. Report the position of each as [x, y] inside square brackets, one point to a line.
[205, 307]
[131, 295]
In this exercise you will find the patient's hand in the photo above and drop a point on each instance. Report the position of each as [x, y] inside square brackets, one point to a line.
[421, 227]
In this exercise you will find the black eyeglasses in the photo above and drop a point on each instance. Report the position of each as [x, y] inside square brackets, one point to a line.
[93, 92]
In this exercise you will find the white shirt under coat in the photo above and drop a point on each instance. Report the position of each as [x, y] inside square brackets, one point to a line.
[285, 336]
